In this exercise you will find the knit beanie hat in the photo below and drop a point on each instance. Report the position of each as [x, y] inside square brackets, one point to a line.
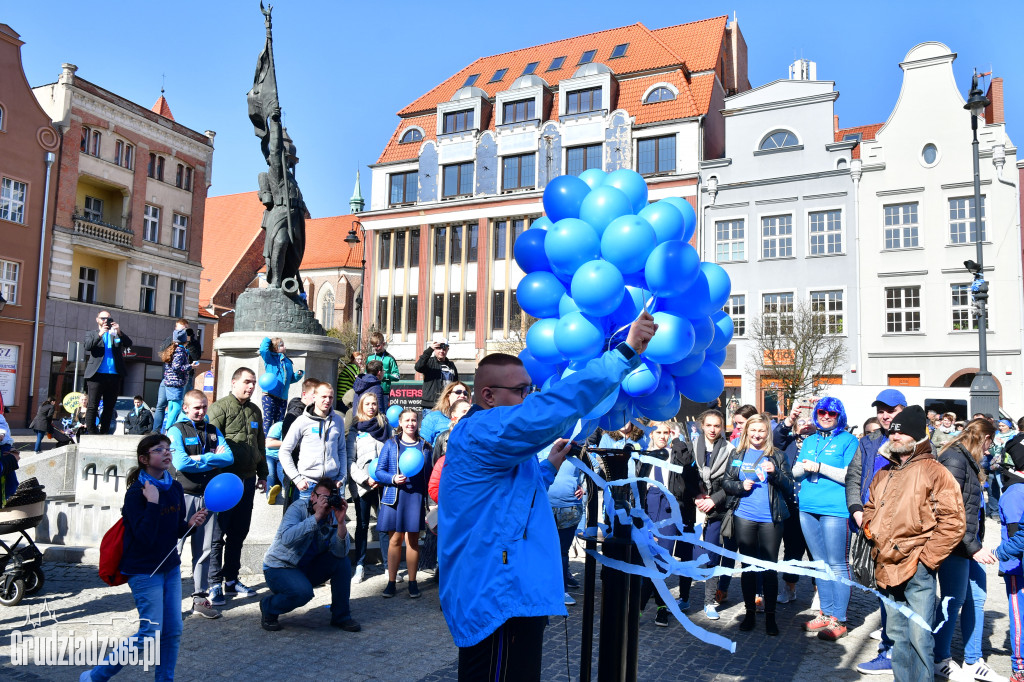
[912, 421]
[1015, 453]
[180, 336]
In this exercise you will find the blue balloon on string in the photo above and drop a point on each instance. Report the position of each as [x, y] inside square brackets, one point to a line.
[642, 380]
[666, 220]
[569, 244]
[627, 242]
[605, 405]
[598, 288]
[716, 358]
[540, 339]
[671, 268]
[393, 414]
[268, 382]
[632, 184]
[563, 197]
[604, 205]
[665, 391]
[619, 414]
[371, 470]
[594, 177]
[704, 385]
[566, 305]
[529, 251]
[719, 284]
[578, 338]
[662, 413]
[704, 332]
[537, 370]
[724, 329]
[689, 216]
[541, 223]
[223, 492]
[673, 340]
[410, 462]
[688, 365]
[539, 294]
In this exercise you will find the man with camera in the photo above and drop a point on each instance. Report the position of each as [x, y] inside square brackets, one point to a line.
[311, 547]
[437, 370]
[104, 370]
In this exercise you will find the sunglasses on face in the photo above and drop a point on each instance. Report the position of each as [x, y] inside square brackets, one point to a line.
[828, 413]
[460, 391]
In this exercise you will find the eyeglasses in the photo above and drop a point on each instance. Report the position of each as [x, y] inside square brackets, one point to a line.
[159, 450]
[523, 390]
[828, 413]
[460, 391]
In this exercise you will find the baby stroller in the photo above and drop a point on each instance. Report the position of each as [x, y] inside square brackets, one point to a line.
[21, 563]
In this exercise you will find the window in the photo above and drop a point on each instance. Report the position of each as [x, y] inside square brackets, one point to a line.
[440, 239]
[500, 239]
[438, 314]
[777, 314]
[411, 135]
[414, 249]
[901, 226]
[400, 249]
[410, 314]
[960, 212]
[457, 121]
[382, 312]
[458, 180]
[518, 227]
[179, 231]
[179, 176]
[778, 140]
[826, 232]
[517, 172]
[396, 315]
[147, 293]
[656, 155]
[579, 159]
[384, 250]
[93, 209]
[84, 146]
[471, 80]
[498, 75]
[963, 313]
[453, 312]
[515, 313]
[736, 308]
[582, 101]
[151, 224]
[777, 236]
[587, 57]
[160, 168]
[827, 307]
[472, 230]
[730, 240]
[930, 154]
[2, 111]
[87, 281]
[12, 200]
[661, 94]
[403, 187]
[521, 110]
[177, 303]
[95, 147]
[9, 281]
[124, 154]
[498, 311]
[470, 313]
[151, 168]
[327, 310]
[619, 51]
[455, 252]
[91, 141]
[902, 310]
[530, 68]
[556, 63]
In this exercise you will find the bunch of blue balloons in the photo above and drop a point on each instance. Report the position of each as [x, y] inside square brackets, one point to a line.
[599, 257]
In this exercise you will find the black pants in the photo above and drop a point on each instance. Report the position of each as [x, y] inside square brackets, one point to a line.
[512, 653]
[365, 504]
[105, 386]
[761, 541]
[793, 542]
[229, 534]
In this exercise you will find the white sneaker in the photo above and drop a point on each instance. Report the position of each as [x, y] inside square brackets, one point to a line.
[876, 634]
[949, 670]
[569, 601]
[787, 594]
[358, 574]
[980, 671]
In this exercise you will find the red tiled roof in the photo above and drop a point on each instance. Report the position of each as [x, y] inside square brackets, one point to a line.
[231, 228]
[325, 243]
[699, 42]
[163, 108]
[206, 314]
[410, 150]
[867, 132]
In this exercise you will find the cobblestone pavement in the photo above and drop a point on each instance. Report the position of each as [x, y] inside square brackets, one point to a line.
[407, 639]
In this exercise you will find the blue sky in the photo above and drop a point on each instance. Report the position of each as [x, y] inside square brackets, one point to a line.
[345, 68]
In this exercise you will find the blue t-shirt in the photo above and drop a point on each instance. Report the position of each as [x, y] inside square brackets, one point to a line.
[756, 506]
[820, 494]
[108, 366]
[274, 432]
[1011, 510]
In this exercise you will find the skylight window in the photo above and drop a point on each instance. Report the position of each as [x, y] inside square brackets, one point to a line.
[530, 68]
[852, 137]
[498, 75]
[620, 50]
[471, 80]
[556, 63]
[588, 56]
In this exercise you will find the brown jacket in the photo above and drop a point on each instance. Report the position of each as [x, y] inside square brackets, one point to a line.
[915, 513]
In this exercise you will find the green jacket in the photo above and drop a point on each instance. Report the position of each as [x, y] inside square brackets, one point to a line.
[390, 370]
[242, 426]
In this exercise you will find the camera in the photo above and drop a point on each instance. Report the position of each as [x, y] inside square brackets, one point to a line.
[335, 501]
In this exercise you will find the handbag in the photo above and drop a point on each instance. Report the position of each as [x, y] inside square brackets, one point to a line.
[431, 520]
[862, 564]
[726, 528]
[111, 550]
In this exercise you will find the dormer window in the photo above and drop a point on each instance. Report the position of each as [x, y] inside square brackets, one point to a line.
[458, 121]
[471, 80]
[522, 110]
[498, 75]
[587, 57]
[411, 135]
[582, 101]
[778, 140]
[530, 68]
[660, 94]
[619, 51]
[556, 63]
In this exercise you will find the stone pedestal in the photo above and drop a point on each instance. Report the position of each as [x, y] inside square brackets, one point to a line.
[272, 310]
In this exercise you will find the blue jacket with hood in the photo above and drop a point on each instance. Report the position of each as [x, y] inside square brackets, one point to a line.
[280, 365]
[497, 544]
[825, 492]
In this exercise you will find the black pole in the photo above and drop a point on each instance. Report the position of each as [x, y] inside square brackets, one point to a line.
[589, 586]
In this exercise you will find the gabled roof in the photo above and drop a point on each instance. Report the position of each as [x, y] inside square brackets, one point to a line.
[231, 229]
[867, 132]
[163, 108]
[325, 243]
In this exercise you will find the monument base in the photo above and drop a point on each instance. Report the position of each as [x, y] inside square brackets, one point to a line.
[270, 310]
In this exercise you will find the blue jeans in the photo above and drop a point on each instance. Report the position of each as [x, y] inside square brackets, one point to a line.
[39, 439]
[1015, 598]
[912, 658]
[161, 407]
[953, 583]
[293, 587]
[275, 474]
[158, 600]
[828, 540]
[972, 616]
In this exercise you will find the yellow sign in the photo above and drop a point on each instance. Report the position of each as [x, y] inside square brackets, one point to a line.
[780, 356]
[72, 401]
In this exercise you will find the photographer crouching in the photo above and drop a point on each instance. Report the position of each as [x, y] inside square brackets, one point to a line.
[310, 548]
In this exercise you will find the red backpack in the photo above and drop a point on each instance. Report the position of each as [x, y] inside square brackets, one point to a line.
[111, 549]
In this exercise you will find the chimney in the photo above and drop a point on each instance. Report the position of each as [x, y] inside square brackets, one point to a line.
[835, 123]
[994, 111]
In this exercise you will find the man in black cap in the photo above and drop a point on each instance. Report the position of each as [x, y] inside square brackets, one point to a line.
[923, 521]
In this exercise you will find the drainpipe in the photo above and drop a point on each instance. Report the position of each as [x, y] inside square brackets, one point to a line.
[50, 158]
[856, 170]
[699, 211]
[999, 161]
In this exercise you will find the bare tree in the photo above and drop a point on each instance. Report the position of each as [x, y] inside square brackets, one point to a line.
[515, 340]
[796, 347]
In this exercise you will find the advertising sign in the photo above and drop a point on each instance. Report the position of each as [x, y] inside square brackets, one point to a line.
[8, 372]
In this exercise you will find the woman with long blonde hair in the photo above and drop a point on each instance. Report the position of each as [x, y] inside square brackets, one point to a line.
[439, 419]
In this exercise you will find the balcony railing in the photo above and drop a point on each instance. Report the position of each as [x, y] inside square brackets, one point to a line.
[101, 230]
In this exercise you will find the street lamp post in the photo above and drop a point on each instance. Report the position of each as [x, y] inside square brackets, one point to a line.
[352, 239]
[984, 390]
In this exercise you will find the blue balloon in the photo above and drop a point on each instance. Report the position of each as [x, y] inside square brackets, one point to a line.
[549, 382]
[642, 380]
[594, 177]
[673, 341]
[708, 291]
[529, 251]
[666, 220]
[632, 185]
[665, 412]
[566, 305]
[688, 365]
[689, 216]
[371, 470]
[393, 414]
[597, 288]
[704, 332]
[541, 223]
[539, 294]
[604, 405]
[716, 358]
[719, 284]
[627, 242]
[223, 492]
[578, 338]
[269, 382]
[604, 205]
[704, 385]
[537, 370]
[665, 391]
[569, 244]
[723, 331]
[671, 268]
[410, 462]
[540, 339]
[563, 197]
[636, 279]
[619, 414]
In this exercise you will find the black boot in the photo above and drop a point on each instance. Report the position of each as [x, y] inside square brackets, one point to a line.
[749, 620]
[770, 626]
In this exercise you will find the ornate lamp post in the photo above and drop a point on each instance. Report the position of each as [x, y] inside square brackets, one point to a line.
[352, 239]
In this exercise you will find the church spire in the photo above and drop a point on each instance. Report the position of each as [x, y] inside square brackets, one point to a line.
[356, 203]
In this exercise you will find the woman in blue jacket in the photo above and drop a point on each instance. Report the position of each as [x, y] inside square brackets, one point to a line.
[275, 401]
[821, 471]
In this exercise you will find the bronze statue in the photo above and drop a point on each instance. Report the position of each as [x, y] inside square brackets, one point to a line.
[285, 217]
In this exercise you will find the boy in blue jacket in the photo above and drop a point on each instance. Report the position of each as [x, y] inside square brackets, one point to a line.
[1011, 549]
